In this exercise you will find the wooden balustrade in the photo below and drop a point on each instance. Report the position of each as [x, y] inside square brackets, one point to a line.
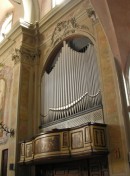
[82, 141]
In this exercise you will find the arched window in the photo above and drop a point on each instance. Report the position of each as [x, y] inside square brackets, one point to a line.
[56, 2]
[6, 26]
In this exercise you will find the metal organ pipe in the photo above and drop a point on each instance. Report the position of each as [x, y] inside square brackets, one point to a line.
[72, 85]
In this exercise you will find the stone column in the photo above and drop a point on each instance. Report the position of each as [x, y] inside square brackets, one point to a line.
[26, 63]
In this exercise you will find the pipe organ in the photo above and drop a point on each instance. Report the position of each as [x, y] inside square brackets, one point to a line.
[72, 86]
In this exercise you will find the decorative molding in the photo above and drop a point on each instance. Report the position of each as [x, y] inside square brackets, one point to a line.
[65, 28]
[25, 56]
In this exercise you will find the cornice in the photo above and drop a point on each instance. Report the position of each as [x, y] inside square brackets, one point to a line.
[21, 34]
[55, 14]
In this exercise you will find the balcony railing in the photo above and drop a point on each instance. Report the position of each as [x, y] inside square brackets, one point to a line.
[83, 141]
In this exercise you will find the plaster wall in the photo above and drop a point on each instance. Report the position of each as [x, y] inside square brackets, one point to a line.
[11, 107]
[44, 7]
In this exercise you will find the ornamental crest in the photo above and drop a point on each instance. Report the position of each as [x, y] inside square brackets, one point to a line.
[64, 29]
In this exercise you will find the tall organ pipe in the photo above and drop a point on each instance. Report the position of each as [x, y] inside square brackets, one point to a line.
[72, 85]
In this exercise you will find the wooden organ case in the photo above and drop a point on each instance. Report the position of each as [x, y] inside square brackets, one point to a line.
[73, 136]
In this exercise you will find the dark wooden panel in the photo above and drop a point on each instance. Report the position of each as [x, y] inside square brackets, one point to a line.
[99, 137]
[98, 166]
[47, 144]
[85, 167]
[4, 162]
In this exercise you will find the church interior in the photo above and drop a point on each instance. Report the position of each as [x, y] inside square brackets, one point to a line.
[64, 88]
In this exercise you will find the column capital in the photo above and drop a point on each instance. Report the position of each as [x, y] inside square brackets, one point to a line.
[25, 56]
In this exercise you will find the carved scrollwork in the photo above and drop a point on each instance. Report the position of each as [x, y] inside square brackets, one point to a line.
[64, 29]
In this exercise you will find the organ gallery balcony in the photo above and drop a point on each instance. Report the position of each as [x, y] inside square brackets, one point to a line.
[82, 141]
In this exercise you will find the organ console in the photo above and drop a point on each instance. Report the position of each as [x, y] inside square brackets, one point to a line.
[72, 85]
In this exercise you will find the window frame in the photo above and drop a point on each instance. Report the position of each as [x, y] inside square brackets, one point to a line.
[7, 23]
[55, 3]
